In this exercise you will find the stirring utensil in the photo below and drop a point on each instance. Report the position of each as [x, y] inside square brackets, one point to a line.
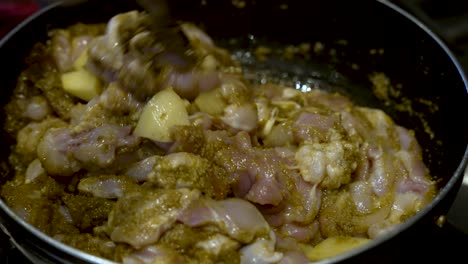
[166, 30]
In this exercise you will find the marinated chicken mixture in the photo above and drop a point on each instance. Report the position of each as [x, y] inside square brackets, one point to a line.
[131, 150]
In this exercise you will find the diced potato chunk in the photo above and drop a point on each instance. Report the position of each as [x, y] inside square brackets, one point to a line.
[333, 246]
[81, 61]
[210, 102]
[164, 110]
[81, 84]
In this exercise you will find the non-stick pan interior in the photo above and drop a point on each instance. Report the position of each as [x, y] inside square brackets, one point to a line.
[359, 38]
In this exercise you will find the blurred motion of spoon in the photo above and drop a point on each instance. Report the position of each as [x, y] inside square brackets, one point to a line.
[166, 28]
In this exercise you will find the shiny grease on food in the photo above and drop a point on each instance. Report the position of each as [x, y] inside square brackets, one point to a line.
[135, 153]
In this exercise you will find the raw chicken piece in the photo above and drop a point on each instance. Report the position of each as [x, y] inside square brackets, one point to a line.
[139, 218]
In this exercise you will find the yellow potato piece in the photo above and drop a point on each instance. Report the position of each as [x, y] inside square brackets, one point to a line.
[332, 246]
[164, 110]
[81, 61]
[210, 102]
[81, 84]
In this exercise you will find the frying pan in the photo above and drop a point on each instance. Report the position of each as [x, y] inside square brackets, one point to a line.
[359, 38]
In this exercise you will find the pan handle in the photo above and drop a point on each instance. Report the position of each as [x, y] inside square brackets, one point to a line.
[457, 216]
[449, 232]
[454, 225]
